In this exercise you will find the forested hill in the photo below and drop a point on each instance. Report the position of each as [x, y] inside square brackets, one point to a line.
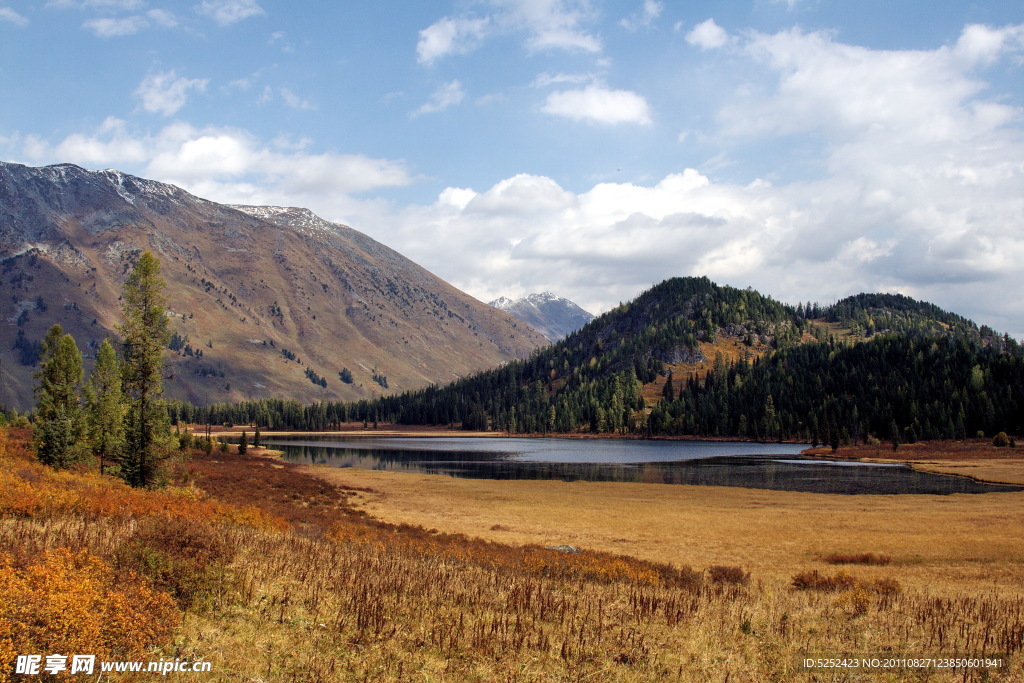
[691, 357]
[869, 314]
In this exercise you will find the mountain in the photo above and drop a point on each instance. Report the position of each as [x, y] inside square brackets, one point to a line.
[263, 301]
[553, 316]
[689, 357]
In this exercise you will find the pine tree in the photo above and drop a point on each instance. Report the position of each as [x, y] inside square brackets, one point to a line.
[145, 334]
[59, 434]
[243, 443]
[256, 441]
[105, 407]
[668, 392]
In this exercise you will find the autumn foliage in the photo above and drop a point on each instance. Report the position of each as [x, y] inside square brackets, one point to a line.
[90, 565]
[73, 602]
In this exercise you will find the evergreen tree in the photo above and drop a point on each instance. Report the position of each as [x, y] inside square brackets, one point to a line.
[145, 334]
[105, 407]
[256, 442]
[669, 391]
[59, 433]
[243, 443]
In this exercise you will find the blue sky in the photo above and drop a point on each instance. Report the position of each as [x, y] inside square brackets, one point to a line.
[808, 148]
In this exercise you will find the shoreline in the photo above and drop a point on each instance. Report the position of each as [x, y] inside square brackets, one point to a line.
[974, 459]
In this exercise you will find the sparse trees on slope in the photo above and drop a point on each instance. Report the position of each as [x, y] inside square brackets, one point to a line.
[145, 334]
[59, 429]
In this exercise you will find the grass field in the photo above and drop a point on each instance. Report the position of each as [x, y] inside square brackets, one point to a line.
[270, 573]
[949, 542]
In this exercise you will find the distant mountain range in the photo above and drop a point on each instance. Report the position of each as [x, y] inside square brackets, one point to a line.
[264, 301]
[553, 316]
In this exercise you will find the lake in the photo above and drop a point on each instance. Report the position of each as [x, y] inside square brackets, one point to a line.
[775, 466]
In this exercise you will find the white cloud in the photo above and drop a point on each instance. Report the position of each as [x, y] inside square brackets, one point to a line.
[162, 18]
[548, 25]
[650, 10]
[166, 92]
[7, 14]
[708, 35]
[227, 12]
[921, 191]
[546, 79]
[599, 104]
[227, 165]
[552, 24]
[450, 36]
[296, 102]
[845, 90]
[448, 95]
[108, 27]
[124, 5]
[980, 44]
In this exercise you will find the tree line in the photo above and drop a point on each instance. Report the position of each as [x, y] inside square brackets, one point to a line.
[915, 372]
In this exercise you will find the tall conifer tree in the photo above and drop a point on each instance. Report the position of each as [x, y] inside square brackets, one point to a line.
[145, 334]
[105, 406]
[59, 434]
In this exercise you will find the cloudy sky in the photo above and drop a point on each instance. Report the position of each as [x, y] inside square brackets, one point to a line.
[810, 149]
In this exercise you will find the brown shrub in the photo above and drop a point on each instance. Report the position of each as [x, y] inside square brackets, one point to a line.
[186, 558]
[861, 558]
[728, 575]
[816, 581]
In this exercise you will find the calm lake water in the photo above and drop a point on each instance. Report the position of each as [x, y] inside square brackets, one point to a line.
[706, 463]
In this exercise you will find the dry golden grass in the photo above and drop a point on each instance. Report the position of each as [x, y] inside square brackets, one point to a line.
[973, 458]
[307, 589]
[948, 542]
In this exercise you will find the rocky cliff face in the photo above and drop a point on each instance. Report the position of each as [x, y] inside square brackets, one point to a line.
[553, 316]
[264, 301]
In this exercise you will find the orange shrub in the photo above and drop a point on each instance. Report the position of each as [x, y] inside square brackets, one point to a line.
[30, 489]
[74, 603]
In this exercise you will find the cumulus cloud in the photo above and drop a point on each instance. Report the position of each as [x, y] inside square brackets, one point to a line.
[123, 5]
[227, 12]
[109, 27]
[7, 14]
[708, 35]
[448, 95]
[450, 36]
[599, 104]
[227, 165]
[166, 93]
[547, 25]
[649, 11]
[921, 191]
[295, 102]
[162, 18]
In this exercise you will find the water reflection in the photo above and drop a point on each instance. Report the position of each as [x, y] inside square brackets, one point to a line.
[765, 466]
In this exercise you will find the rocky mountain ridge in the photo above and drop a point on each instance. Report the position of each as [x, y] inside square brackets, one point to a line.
[264, 301]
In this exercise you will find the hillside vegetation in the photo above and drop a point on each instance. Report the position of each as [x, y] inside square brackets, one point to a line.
[689, 357]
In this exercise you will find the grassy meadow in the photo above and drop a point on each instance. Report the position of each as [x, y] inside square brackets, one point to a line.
[273, 572]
